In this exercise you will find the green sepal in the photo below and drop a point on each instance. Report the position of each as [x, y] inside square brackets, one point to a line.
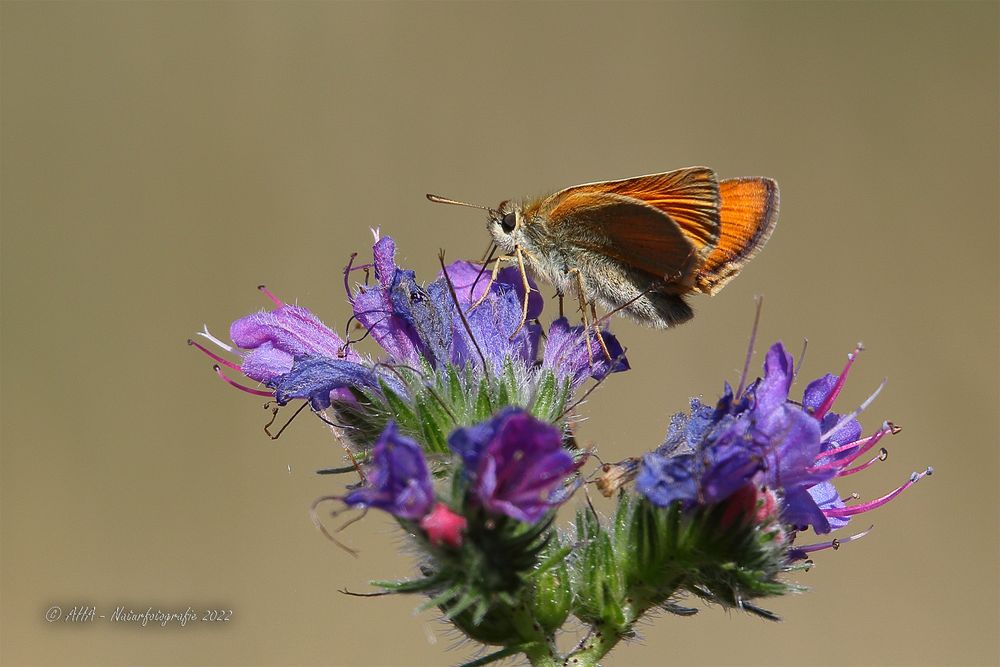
[598, 584]
[552, 588]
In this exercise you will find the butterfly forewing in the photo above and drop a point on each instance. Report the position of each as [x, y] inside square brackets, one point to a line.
[690, 197]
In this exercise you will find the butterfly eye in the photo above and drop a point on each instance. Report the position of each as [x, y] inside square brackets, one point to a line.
[509, 222]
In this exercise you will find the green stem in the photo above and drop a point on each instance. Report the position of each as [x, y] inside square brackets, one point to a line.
[595, 646]
[543, 655]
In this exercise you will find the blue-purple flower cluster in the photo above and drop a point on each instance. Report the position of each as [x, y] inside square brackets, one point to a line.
[512, 464]
[293, 353]
[762, 440]
[755, 449]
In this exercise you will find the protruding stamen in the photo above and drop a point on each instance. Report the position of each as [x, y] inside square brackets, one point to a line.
[225, 362]
[270, 295]
[835, 543]
[882, 456]
[839, 384]
[249, 390]
[846, 419]
[878, 502]
[204, 333]
[862, 446]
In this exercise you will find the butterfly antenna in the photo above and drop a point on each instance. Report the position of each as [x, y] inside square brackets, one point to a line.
[445, 200]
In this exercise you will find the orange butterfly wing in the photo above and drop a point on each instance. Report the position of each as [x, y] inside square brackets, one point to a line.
[748, 214]
[664, 224]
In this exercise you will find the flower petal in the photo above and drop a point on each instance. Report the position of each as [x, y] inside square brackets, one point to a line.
[314, 377]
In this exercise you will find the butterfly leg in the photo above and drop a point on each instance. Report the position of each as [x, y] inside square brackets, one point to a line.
[527, 289]
[581, 295]
[593, 322]
[493, 279]
[596, 323]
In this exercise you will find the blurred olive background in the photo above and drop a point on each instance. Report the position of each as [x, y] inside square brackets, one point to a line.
[161, 160]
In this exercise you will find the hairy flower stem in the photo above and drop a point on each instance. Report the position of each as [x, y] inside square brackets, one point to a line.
[595, 646]
[544, 655]
[600, 642]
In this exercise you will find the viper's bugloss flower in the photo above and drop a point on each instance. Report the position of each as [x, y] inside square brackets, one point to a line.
[399, 481]
[444, 527]
[514, 464]
[269, 342]
[764, 440]
[463, 327]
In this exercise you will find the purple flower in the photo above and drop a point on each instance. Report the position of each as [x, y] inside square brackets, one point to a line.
[495, 320]
[274, 338]
[481, 328]
[399, 481]
[569, 354]
[764, 439]
[385, 309]
[271, 343]
[667, 479]
[514, 463]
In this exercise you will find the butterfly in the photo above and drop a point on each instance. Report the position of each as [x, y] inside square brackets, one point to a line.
[638, 246]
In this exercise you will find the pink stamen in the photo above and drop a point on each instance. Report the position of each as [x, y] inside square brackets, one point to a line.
[255, 392]
[270, 295]
[838, 385]
[834, 543]
[882, 456]
[846, 419]
[863, 446]
[865, 507]
[225, 362]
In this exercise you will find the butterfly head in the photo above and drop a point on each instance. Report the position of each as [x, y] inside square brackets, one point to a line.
[506, 226]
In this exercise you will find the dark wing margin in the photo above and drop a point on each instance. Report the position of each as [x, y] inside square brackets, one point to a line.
[747, 216]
